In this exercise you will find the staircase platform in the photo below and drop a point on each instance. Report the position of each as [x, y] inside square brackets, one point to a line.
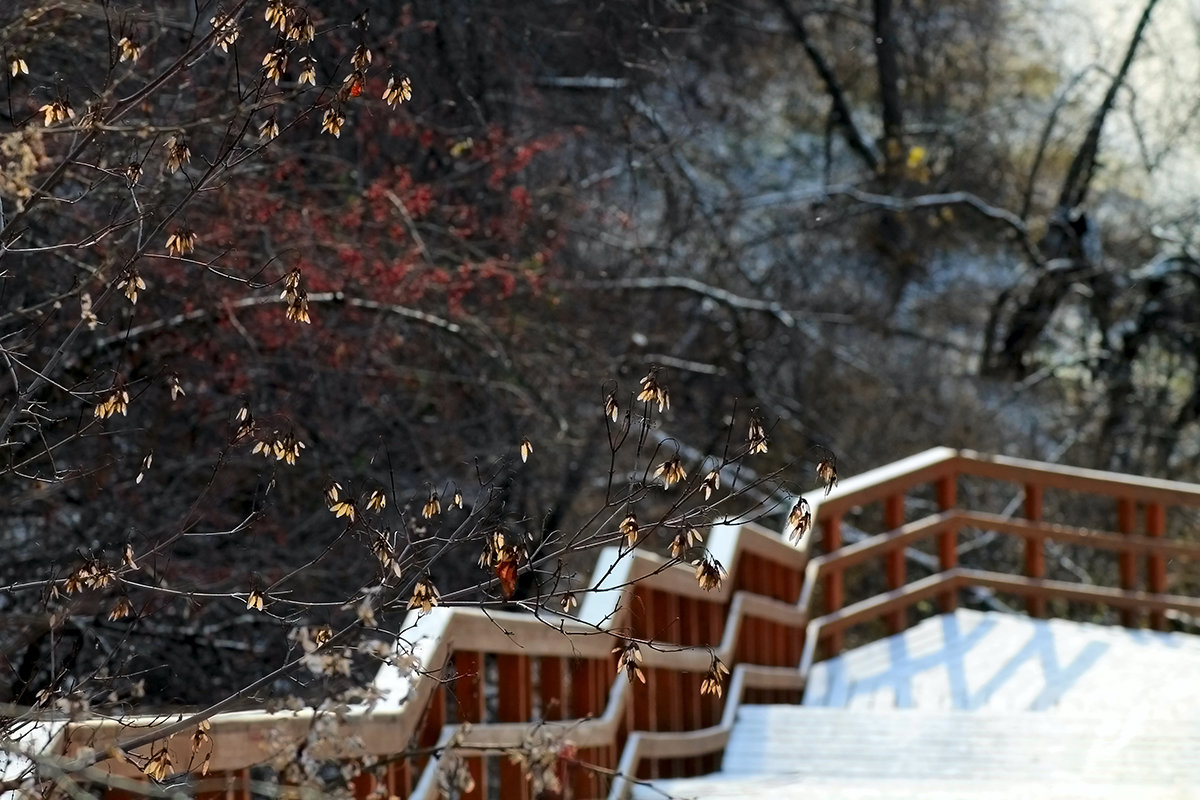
[973, 661]
[977, 705]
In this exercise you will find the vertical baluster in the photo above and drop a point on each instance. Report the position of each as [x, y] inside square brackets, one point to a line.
[583, 781]
[468, 689]
[893, 518]
[1156, 565]
[714, 616]
[1035, 549]
[585, 677]
[795, 577]
[682, 613]
[947, 490]
[431, 728]
[834, 594]
[1126, 561]
[515, 705]
[639, 621]
[780, 637]
[400, 778]
[672, 626]
[612, 754]
[644, 700]
[689, 688]
[364, 785]
[551, 688]
[795, 646]
[554, 704]
[582, 697]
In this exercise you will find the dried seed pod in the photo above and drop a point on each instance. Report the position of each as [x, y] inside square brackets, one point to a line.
[799, 519]
[827, 472]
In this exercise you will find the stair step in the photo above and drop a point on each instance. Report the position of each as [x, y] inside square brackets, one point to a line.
[1008, 662]
[979, 705]
[780, 787]
[951, 753]
[795, 739]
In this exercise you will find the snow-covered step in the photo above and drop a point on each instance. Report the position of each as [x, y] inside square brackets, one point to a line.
[827, 752]
[1007, 662]
[783, 787]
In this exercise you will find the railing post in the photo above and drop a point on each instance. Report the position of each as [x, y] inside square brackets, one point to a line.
[833, 581]
[1126, 561]
[554, 702]
[399, 778]
[1035, 549]
[1156, 565]
[587, 700]
[947, 498]
[468, 691]
[893, 518]
[513, 679]
[715, 617]
[795, 581]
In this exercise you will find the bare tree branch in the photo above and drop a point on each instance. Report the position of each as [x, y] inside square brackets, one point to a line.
[1083, 166]
[888, 69]
[843, 117]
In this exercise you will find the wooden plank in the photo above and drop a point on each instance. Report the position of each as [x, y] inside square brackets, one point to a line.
[894, 564]
[1102, 540]
[468, 691]
[1126, 563]
[583, 695]
[938, 524]
[875, 546]
[514, 705]
[1118, 598]
[685, 611]
[876, 484]
[834, 593]
[1156, 565]
[584, 783]
[947, 499]
[1035, 548]
[835, 623]
[554, 703]
[1076, 479]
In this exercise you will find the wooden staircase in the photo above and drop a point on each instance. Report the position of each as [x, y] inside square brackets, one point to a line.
[777, 620]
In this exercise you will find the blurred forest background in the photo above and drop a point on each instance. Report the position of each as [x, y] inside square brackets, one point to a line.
[875, 225]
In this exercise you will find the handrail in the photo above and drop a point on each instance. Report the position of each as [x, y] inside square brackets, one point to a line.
[876, 484]
[1091, 481]
[939, 462]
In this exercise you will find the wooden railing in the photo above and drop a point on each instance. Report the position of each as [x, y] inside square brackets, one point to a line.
[500, 671]
[940, 472]
[509, 673]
